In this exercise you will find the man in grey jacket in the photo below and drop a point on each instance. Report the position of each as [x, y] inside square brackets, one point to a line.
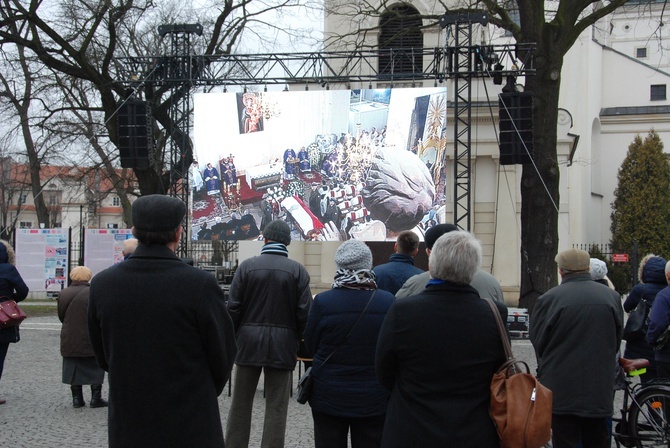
[269, 302]
[485, 284]
[576, 330]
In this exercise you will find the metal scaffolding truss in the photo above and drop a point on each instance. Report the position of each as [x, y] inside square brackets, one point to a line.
[459, 60]
[324, 68]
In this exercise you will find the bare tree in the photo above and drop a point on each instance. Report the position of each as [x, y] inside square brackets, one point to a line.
[18, 92]
[81, 39]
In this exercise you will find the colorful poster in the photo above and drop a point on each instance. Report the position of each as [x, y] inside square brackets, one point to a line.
[42, 258]
[103, 247]
[363, 164]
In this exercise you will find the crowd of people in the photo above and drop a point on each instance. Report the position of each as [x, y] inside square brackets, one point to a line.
[386, 370]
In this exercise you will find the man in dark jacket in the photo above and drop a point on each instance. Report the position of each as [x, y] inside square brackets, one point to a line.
[576, 330]
[269, 302]
[161, 329]
[392, 275]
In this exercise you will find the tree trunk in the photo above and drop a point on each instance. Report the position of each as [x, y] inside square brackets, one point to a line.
[540, 190]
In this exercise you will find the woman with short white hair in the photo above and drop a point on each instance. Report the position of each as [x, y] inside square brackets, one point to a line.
[437, 352]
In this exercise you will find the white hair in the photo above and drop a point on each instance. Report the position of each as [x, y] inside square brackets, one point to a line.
[456, 256]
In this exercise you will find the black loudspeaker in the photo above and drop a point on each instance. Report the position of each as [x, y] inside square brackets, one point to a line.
[516, 128]
[134, 134]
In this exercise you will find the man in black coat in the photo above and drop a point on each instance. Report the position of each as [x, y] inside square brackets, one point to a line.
[576, 330]
[161, 329]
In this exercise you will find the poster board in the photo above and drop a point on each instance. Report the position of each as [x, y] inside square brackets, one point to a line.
[102, 247]
[42, 258]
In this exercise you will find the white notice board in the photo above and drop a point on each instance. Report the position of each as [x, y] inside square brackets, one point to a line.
[41, 258]
[103, 247]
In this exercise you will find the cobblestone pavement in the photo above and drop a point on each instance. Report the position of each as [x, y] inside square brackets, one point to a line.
[39, 410]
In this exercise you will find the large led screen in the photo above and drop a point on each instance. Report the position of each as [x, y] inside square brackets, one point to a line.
[335, 165]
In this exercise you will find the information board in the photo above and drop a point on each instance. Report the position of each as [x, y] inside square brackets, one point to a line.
[41, 258]
[103, 247]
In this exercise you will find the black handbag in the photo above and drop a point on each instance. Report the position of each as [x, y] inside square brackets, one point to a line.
[306, 381]
[304, 386]
[636, 325]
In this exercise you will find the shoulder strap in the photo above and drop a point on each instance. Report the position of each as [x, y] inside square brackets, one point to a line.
[501, 329]
[346, 338]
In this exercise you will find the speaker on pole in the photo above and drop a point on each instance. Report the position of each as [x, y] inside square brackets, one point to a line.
[516, 127]
[134, 134]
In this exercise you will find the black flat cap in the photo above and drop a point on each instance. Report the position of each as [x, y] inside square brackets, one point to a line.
[158, 213]
[433, 233]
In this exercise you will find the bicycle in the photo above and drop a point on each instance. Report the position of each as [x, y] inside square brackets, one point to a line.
[645, 411]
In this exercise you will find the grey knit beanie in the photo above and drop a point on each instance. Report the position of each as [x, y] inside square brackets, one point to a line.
[278, 231]
[598, 269]
[354, 255]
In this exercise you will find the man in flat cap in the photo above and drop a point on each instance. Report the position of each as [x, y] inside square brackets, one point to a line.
[576, 330]
[269, 302]
[161, 329]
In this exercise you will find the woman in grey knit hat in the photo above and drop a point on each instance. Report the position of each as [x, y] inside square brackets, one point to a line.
[341, 334]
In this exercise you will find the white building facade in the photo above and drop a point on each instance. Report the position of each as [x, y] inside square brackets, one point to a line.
[613, 87]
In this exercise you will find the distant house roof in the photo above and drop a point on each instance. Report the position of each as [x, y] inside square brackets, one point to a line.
[95, 179]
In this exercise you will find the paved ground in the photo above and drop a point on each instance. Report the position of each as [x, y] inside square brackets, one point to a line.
[39, 410]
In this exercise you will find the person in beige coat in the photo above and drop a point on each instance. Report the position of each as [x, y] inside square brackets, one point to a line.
[79, 364]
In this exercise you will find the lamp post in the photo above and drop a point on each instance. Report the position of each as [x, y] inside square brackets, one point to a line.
[81, 234]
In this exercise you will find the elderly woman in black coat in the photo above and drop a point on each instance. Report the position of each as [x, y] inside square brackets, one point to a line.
[12, 287]
[79, 364]
[341, 332]
[437, 352]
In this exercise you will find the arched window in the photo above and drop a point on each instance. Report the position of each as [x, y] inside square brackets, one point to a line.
[400, 31]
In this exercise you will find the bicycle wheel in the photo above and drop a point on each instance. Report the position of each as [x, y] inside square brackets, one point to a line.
[648, 418]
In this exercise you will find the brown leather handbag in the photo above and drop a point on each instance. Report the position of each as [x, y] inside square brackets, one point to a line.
[10, 314]
[520, 406]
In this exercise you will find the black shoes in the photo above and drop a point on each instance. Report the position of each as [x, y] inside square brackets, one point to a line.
[77, 397]
[96, 397]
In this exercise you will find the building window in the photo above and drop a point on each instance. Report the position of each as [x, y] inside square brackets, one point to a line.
[22, 198]
[53, 199]
[116, 201]
[25, 225]
[641, 53]
[112, 225]
[400, 32]
[658, 92]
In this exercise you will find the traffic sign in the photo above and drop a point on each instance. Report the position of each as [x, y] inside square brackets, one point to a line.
[620, 258]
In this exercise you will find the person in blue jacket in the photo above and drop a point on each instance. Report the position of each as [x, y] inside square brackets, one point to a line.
[659, 319]
[12, 287]
[392, 275]
[341, 333]
[652, 277]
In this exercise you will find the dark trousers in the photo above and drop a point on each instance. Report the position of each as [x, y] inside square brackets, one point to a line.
[3, 353]
[332, 432]
[569, 430]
